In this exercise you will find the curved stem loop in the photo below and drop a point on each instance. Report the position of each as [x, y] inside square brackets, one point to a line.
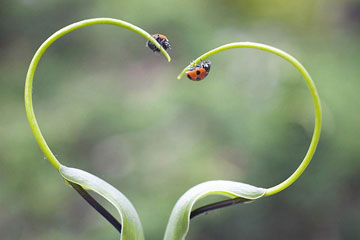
[34, 62]
[313, 91]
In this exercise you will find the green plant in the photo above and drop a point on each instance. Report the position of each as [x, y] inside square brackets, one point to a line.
[178, 225]
[130, 227]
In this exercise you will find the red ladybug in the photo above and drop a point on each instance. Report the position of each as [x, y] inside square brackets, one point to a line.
[161, 39]
[199, 71]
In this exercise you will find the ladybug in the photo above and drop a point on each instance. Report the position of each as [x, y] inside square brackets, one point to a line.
[199, 71]
[161, 39]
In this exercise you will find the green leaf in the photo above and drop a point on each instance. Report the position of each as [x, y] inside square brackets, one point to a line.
[178, 225]
[131, 225]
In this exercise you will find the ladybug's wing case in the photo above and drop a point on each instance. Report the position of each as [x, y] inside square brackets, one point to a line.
[161, 36]
[199, 71]
[197, 74]
[203, 73]
[191, 74]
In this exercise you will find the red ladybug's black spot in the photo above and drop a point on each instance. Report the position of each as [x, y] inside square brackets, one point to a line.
[197, 72]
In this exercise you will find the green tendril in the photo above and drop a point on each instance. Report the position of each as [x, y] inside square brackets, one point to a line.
[317, 106]
[34, 62]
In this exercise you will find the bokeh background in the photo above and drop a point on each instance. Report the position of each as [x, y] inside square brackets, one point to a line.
[108, 105]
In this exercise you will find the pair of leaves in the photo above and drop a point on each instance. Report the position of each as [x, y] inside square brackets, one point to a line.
[179, 222]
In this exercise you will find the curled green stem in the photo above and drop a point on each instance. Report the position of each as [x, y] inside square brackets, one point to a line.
[34, 62]
[317, 106]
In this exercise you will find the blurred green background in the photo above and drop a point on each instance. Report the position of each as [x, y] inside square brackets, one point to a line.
[108, 105]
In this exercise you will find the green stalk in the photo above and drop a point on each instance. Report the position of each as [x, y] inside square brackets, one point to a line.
[317, 106]
[34, 62]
